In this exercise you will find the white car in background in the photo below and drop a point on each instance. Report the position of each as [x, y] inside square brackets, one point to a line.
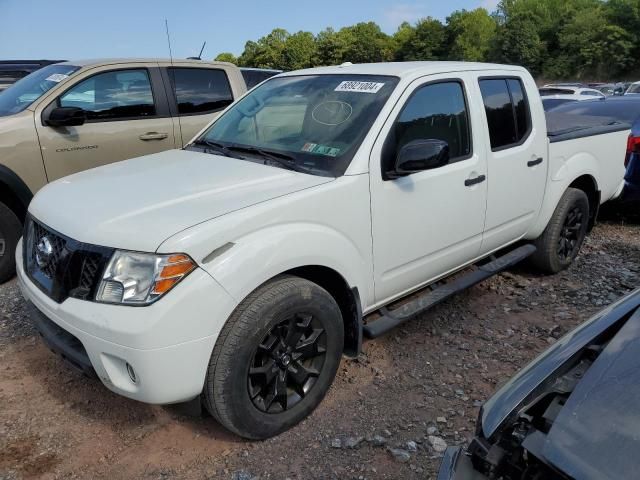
[570, 92]
[634, 89]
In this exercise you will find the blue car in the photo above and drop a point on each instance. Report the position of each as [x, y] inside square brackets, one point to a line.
[631, 191]
[623, 109]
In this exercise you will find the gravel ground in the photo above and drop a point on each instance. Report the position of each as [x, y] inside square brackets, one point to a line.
[388, 415]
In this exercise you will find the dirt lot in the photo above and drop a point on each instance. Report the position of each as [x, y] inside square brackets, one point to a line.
[426, 378]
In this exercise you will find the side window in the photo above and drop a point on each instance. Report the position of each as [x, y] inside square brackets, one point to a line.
[119, 94]
[434, 112]
[521, 107]
[507, 111]
[200, 90]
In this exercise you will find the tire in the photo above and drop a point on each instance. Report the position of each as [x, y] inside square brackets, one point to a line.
[240, 383]
[10, 231]
[560, 243]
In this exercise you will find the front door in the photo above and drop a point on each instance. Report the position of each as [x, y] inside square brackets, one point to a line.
[430, 222]
[126, 118]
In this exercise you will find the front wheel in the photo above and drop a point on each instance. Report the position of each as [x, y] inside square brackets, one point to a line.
[560, 242]
[275, 358]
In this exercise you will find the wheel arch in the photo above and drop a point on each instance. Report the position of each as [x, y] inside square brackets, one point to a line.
[589, 186]
[14, 193]
[347, 298]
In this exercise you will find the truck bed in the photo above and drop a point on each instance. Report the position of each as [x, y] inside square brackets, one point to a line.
[563, 126]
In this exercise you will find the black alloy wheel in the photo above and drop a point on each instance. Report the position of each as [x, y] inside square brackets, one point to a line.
[569, 239]
[287, 363]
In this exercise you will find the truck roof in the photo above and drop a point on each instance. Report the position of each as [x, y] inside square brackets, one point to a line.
[111, 61]
[404, 69]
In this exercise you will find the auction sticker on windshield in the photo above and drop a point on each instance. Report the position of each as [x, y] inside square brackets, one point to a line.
[357, 86]
[57, 77]
[321, 149]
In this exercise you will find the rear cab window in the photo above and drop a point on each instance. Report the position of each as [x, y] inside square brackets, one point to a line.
[200, 90]
[507, 111]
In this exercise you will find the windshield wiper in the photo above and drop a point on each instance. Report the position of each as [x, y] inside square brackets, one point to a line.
[218, 147]
[282, 159]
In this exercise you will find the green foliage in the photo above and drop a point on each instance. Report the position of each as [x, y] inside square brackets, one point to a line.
[596, 39]
[226, 57]
[470, 35]
[424, 41]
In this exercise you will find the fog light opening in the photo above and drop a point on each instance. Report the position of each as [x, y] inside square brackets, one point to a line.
[132, 373]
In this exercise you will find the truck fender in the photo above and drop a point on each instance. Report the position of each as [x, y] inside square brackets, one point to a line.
[265, 253]
[580, 166]
[14, 192]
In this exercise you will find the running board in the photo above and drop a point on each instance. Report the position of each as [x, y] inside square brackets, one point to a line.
[440, 292]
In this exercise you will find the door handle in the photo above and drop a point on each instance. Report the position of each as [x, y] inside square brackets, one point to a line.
[533, 163]
[474, 181]
[153, 136]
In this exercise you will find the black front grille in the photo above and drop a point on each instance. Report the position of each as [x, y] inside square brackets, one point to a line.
[60, 266]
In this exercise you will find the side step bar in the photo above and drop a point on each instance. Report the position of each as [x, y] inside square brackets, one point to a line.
[393, 318]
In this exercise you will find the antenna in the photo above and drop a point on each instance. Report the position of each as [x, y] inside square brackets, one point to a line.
[166, 27]
[202, 50]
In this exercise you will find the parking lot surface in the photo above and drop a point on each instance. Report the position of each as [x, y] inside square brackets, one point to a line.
[423, 381]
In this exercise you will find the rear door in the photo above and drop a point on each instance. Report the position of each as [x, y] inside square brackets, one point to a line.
[197, 96]
[430, 222]
[516, 157]
[127, 116]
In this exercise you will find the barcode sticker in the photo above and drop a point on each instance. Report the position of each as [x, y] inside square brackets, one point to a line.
[362, 87]
[56, 77]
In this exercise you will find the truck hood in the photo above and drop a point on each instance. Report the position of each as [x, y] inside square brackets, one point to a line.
[138, 203]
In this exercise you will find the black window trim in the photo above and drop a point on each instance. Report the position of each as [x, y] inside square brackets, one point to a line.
[155, 82]
[527, 134]
[171, 92]
[390, 133]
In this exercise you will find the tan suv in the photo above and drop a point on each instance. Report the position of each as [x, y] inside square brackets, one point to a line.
[73, 116]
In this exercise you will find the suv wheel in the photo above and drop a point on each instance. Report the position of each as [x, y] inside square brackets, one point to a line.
[560, 242]
[275, 358]
[10, 231]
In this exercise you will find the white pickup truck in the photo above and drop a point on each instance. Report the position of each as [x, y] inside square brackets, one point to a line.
[238, 270]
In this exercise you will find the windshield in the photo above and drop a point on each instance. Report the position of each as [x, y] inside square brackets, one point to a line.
[27, 90]
[312, 123]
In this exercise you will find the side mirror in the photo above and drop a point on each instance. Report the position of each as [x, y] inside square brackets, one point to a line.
[66, 117]
[419, 155]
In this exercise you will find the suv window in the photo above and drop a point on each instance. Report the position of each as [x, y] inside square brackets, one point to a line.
[119, 94]
[435, 111]
[507, 111]
[200, 90]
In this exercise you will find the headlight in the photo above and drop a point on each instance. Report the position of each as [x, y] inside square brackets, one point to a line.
[141, 278]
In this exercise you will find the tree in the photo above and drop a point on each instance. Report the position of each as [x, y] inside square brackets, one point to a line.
[226, 57]
[299, 51]
[518, 42]
[594, 47]
[470, 34]
[425, 41]
[267, 52]
[365, 42]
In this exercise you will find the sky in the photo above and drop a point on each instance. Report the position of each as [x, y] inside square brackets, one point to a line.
[75, 29]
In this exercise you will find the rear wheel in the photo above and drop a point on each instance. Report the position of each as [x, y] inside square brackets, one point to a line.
[10, 231]
[560, 242]
[275, 359]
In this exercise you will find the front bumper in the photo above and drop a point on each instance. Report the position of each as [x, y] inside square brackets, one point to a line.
[167, 345]
[456, 465]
